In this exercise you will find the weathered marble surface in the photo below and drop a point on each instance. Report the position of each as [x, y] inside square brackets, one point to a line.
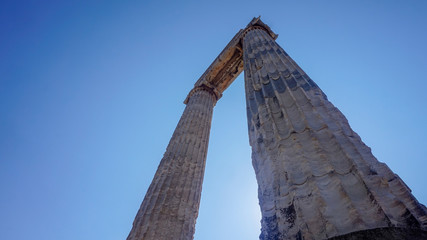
[316, 177]
[385, 234]
[171, 204]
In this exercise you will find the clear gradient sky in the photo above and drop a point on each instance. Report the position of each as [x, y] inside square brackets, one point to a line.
[91, 91]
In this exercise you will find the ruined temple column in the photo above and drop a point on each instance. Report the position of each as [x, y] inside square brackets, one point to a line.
[171, 204]
[317, 179]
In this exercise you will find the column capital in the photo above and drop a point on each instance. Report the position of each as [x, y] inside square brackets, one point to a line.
[256, 23]
[213, 91]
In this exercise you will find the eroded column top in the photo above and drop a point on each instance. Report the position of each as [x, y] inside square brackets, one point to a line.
[229, 63]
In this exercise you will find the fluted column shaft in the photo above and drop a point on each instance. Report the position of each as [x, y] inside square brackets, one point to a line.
[316, 178]
[171, 204]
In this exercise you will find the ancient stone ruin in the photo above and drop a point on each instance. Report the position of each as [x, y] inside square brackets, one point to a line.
[316, 178]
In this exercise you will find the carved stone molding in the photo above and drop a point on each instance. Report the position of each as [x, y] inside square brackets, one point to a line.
[217, 95]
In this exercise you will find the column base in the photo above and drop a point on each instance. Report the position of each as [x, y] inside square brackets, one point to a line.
[389, 233]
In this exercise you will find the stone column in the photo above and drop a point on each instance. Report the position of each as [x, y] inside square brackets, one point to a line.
[316, 177]
[171, 204]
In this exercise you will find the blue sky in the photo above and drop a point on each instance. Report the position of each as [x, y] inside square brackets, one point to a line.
[91, 91]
